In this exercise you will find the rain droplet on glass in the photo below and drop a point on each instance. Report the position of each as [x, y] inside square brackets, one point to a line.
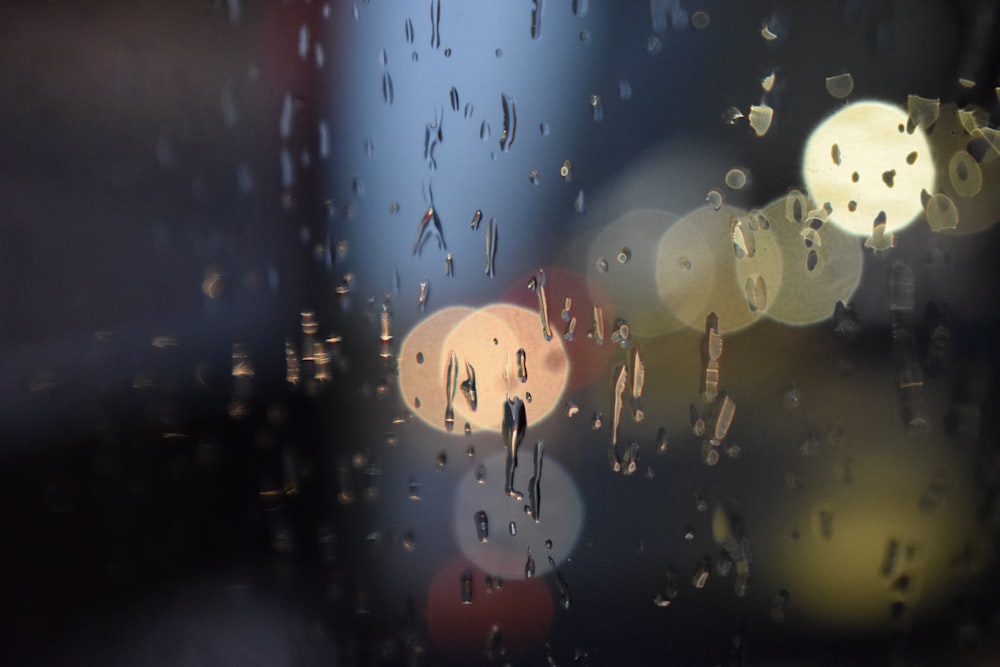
[598, 108]
[624, 90]
[840, 85]
[714, 199]
[387, 93]
[566, 171]
[761, 116]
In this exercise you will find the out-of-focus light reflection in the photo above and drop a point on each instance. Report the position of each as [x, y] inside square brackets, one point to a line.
[951, 141]
[814, 270]
[696, 270]
[877, 550]
[421, 364]
[587, 360]
[521, 608]
[560, 522]
[869, 160]
[489, 340]
[631, 285]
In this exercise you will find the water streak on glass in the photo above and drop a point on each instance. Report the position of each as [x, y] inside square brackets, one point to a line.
[508, 132]
[435, 24]
[618, 396]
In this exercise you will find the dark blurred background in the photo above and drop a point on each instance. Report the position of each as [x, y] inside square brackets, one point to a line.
[174, 182]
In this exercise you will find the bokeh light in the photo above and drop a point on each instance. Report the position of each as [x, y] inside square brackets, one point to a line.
[868, 160]
[818, 263]
[487, 339]
[561, 520]
[522, 610]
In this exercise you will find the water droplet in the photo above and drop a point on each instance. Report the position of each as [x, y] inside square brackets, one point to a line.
[624, 255]
[835, 154]
[732, 115]
[435, 24]
[383, 58]
[714, 199]
[570, 330]
[465, 582]
[453, 97]
[812, 259]
[791, 397]
[840, 86]
[584, 36]
[653, 45]
[533, 177]
[566, 171]
[761, 117]
[795, 206]
[408, 542]
[409, 31]
[581, 7]
[724, 564]
[941, 213]
[709, 453]
[700, 20]
[911, 158]
[481, 474]
[387, 93]
[564, 593]
[736, 178]
[522, 365]
[624, 90]
[889, 177]
[420, 357]
[482, 526]
[598, 108]
[756, 293]
[492, 233]
[700, 503]
[536, 19]
[823, 521]
[670, 590]
[509, 131]
[447, 53]
[597, 422]
[484, 131]
[572, 409]
[512, 529]
[579, 203]
[923, 112]
[498, 53]
[964, 174]
[529, 565]
[701, 572]
[602, 264]
[689, 534]
[413, 489]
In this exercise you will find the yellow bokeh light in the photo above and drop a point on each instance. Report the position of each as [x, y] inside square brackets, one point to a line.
[866, 162]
